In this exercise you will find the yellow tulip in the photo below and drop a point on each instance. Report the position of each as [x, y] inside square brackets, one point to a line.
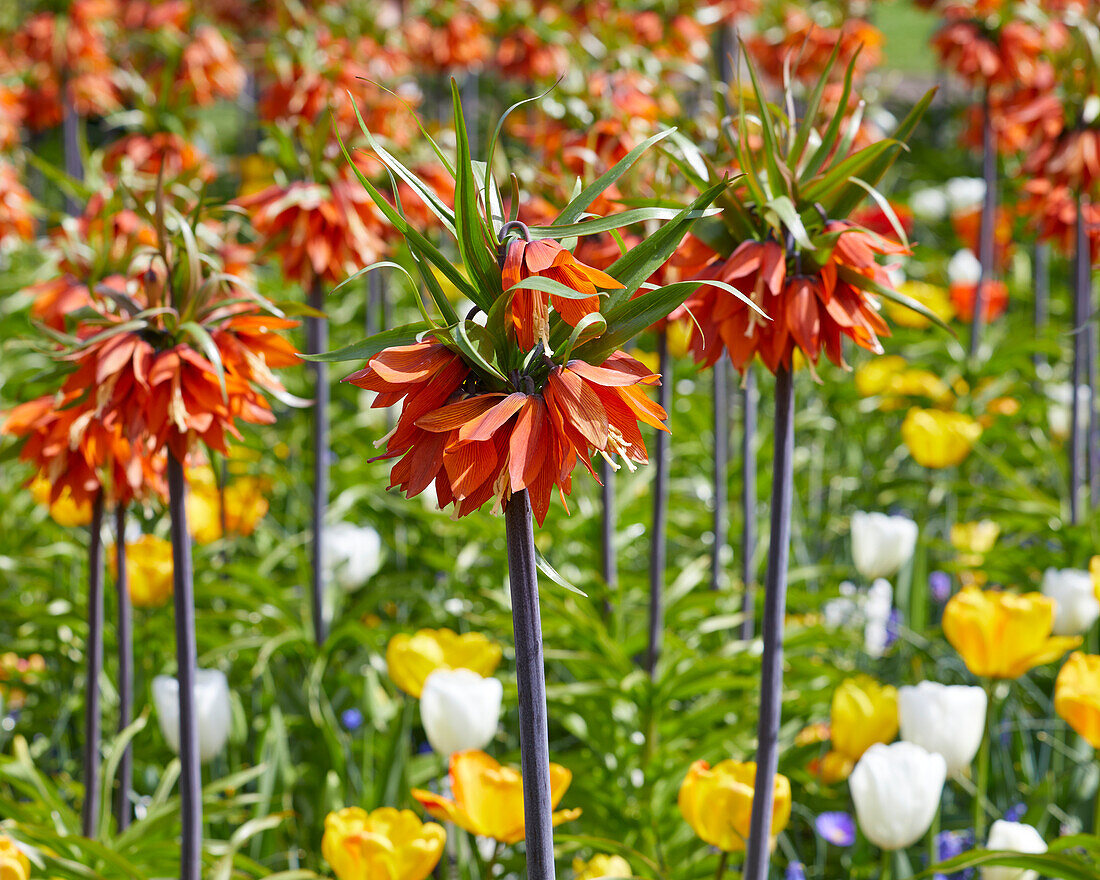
[1094, 570]
[1003, 635]
[245, 505]
[717, 802]
[13, 864]
[921, 383]
[938, 439]
[679, 337]
[600, 867]
[64, 511]
[1077, 695]
[864, 712]
[148, 571]
[257, 173]
[975, 537]
[875, 376]
[386, 844]
[488, 798]
[411, 659]
[936, 299]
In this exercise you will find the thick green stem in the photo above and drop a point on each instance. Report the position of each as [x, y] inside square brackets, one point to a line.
[725, 857]
[887, 865]
[981, 797]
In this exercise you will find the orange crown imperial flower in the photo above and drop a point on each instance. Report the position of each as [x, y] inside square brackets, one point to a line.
[513, 401]
[784, 243]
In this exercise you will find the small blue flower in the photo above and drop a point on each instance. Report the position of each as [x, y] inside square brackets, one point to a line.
[352, 719]
[950, 844]
[893, 627]
[1015, 813]
[939, 585]
[839, 829]
[795, 871]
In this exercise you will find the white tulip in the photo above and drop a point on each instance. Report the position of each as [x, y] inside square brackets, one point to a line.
[212, 711]
[460, 710]
[352, 554]
[1077, 607]
[946, 719]
[877, 605]
[964, 193]
[896, 789]
[964, 268]
[1016, 837]
[1060, 412]
[881, 544]
[929, 204]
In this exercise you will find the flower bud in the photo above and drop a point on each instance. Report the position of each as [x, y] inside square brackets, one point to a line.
[896, 790]
[460, 710]
[212, 711]
[946, 719]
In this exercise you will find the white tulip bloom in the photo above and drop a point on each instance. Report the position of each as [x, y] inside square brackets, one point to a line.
[1077, 607]
[1060, 409]
[212, 711]
[460, 710]
[352, 554]
[881, 544]
[946, 719]
[964, 193]
[929, 204]
[964, 268]
[1017, 837]
[877, 606]
[896, 790]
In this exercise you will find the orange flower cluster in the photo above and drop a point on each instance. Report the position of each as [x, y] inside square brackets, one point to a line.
[808, 311]
[1010, 55]
[209, 69]
[475, 446]
[457, 43]
[319, 231]
[1053, 212]
[50, 52]
[522, 54]
[807, 46]
[16, 220]
[160, 153]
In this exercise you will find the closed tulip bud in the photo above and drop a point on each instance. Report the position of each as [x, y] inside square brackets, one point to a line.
[1003, 635]
[386, 844]
[353, 554]
[460, 710]
[1077, 606]
[1077, 695]
[937, 438]
[864, 712]
[602, 867]
[881, 544]
[896, 790]
[149, 569]
[946, 719]
[14, 865]
[1013, 837]
[212, 711]
[717, 803]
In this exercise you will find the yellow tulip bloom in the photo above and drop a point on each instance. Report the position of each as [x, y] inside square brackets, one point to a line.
[13, 864]
[864, 712]
[600, 867]
[488, 798]
[935, 298]
[1003, 635]
[717, 803]
[975, 537]
[148, 571]
[386, 844]
[679, 337]
[411, 659]
[938, 439]
[64, 511]
[875, 376]
[1094, 570]
[245, 505]
[1077, 696]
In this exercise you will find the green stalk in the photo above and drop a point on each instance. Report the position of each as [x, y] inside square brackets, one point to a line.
[981, 795]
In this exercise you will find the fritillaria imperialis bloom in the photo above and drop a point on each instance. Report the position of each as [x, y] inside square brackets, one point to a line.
[717, 803]
[946, 719]
[896, 789]
[488, 798]
[411, 659]
[212, 709]
[385, 844]
[1077, 695]
[1003, 635]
